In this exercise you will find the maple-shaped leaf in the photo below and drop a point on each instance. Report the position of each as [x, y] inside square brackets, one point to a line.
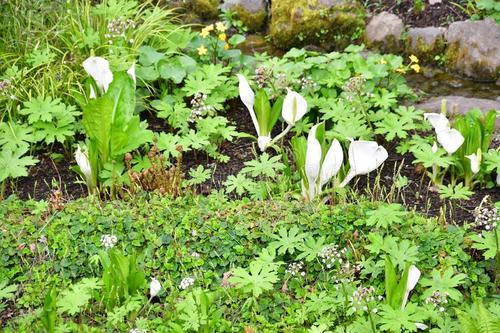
[13, 164]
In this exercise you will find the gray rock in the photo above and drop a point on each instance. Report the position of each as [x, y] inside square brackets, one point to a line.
[463, 105]
[251, 6]
[474, 49]
[425, 43]
[253, 13]
[384, 31]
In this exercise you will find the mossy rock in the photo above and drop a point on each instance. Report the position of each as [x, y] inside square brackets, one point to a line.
[426, 43]
[330, 24]
[206, 9]
[253, 21]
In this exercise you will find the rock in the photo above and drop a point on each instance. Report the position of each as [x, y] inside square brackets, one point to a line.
[474, 49]
[426, 43]
[383, 32]
[464, 104]
[330, 24]
[207, 9]
[253, 13]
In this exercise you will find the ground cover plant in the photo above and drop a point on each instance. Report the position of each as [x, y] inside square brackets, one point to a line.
[155, 178]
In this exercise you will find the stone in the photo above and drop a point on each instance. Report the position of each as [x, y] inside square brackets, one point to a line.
[426, 43]
[383, 32]
[253, 13]
[474, 49]
[330, 24]
[206, 9]
[464, 104]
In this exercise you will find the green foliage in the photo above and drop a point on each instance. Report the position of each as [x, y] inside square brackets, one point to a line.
[259, 277]
[458, 192]
[478, 319]
[487, 241]
[444, 282]
[13, 164]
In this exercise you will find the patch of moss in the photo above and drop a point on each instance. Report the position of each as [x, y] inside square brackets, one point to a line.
[310, 22]
[207, 9]
[425, 52]
[456, 60]
[253, 21]
[390, 44]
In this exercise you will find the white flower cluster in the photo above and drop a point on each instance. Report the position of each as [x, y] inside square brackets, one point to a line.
[307, 83]
[486, 218]
[438, 299]
[195, 254]
[263, 76]
[108, 241]
[136, 330]
[118, 27]
[296, 269]
[330, 255]
[361, 297]
[198, 107]
[186, 283]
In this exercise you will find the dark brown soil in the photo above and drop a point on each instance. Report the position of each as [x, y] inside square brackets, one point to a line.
[419, 13]
[418, 194]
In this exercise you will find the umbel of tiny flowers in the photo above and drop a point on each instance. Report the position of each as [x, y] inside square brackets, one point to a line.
[320, 167]
[294, 107]
[82, 159]
[450, 138]
[364, 157]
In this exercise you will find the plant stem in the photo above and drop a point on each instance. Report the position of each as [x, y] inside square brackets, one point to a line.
[281, 135]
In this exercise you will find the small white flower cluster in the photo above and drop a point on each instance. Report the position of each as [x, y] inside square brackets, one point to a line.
[296, 269]
[307, 83]
[263, 76]
[330, 255]
[347, 272]
[486, 218]
[5, 88]
[118, 27]
[438, 299]
[198, 107]
[354, 84]
[186, 283]
[137, 330]
[195, 254]
[361, 297]
[108, 241]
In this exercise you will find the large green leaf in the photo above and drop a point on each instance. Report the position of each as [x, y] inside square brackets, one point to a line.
[262, 109]
[97, 121]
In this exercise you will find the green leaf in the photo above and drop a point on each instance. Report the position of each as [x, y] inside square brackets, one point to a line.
[258, 279]
[288, 241]
[262, 109]
[236, 39]
[486, 241]
[172, 71]
[13, 164]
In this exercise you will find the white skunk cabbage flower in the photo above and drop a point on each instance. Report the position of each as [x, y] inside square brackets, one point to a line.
[131, 72]
[364, 157]
[318, 174]
[475, 161]
[98, 69]
[421, 326]
[434, 147]
[92, 93]
[294, 107]
[413, 277]
[498, 178]
[247, 96]
[154, 287]
[449, 138]
[83, 162]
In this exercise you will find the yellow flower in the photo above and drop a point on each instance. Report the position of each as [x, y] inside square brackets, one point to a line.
[382, 61]
[202, 50]
[209, 27]
[220, 27]
[222, 37]
[400, 70]
[414, 59]
[226, 46]
[416, 68]
[204, 32]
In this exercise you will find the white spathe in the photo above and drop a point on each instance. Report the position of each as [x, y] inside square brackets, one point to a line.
[364, 157]
[434, 147]
[263, 141]
[83, 162]
[98, 69]
[247, 96]
[437, 120]
[92, 93]
[475, 162]
[154, 287]
[294, 107]
[318, 174]
[421, 326]
[131, 72]
[450, 139]
[413, 277]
